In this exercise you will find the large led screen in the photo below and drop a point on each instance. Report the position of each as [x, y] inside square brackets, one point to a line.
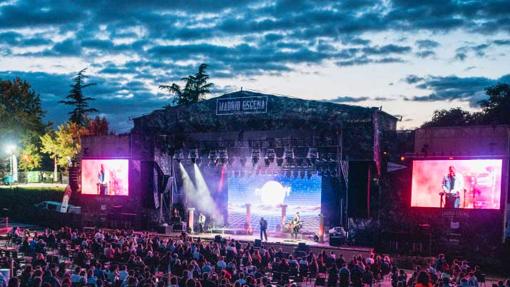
[468, 184]
[104, 176]
[267, 193]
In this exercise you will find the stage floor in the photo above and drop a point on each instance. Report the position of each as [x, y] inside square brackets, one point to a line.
[271, 238]
[285, 242]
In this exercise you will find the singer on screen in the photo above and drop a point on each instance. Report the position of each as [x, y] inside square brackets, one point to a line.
[453, 184]
[101, 181]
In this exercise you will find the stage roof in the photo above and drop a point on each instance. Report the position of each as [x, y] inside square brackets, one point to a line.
[272, 113]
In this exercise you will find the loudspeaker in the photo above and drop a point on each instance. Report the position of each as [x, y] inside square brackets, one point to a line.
[258, 243]
[359, 188]
[178, 227]
[336, 240]
[217, 238]
[165, 229]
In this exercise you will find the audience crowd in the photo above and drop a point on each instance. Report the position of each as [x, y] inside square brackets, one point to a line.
[99, 258]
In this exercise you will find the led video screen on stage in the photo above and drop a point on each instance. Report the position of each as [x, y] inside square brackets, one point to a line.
[465, 184]
[104, 176]
[267, 193]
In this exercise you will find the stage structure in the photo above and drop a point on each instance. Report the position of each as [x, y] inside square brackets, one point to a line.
[243, 156]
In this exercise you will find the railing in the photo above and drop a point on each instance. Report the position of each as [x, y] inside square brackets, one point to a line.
[35, 177]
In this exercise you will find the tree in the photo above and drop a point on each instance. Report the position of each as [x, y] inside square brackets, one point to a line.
[451, 117]
[21, 113]
[30, 157]
[79, 114]
[496, 109]
[62, 145]
[97, 127]
[195, 89]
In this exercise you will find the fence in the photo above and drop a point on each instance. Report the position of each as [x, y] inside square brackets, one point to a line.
[36, 177]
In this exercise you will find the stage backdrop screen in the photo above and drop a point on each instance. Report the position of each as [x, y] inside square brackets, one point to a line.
[266, 193]
[468, 184]
[104, 176]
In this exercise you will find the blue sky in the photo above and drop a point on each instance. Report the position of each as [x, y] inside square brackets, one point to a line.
[410, 57]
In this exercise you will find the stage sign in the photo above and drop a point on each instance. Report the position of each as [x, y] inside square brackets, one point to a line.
[243, 105]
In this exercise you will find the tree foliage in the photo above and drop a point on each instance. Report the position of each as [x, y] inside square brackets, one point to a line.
[64, 144]
[495, 110]
[452, 117]
[30, 157]
[76, 99]
[195, 88]
[97, 127]
[21, 113]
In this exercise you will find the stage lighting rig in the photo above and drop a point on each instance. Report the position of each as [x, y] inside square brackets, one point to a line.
[193, 155]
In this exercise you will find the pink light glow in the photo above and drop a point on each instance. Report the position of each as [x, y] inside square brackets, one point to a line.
[112, 179]
[482, 182]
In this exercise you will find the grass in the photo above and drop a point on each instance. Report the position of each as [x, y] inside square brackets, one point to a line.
[17, 202]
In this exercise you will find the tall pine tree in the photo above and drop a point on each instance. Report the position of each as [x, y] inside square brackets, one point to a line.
[195, 89]
[79, 115]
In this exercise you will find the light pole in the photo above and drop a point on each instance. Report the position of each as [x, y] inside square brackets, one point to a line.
[11, 151]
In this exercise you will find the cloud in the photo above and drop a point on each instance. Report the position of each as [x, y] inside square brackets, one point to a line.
[427, 44]
[425, 54]
[449, 88]
[117, 100]
[276, 34]
[348, 99]
[478, 50]
[160, 42]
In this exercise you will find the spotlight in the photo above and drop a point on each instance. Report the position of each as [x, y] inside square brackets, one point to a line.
[289, 156]
[213, 158]
[270, 155]
[179, 156]
[193, 154]
[223, 156]
[313, 155]
[255, 155]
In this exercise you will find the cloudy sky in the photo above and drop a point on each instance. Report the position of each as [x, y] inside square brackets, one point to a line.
[408, 56]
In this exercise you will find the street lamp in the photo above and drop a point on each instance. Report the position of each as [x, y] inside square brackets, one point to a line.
[11, 151]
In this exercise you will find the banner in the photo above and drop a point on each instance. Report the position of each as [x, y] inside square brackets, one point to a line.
[65, 199]
[242, 105]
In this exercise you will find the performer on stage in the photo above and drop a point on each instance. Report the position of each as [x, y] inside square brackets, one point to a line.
[101, 181]
[296, 225]
[201, 222]
[263, 228]
[453, 185]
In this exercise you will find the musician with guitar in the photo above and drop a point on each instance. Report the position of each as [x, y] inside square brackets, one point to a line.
[295, 225]
[453, 184]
